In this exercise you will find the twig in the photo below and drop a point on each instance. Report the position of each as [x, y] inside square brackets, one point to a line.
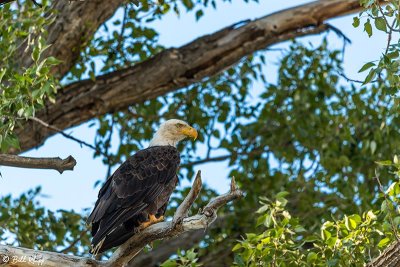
[353, 80]
[45, 124]
[183, 209]
[205, 160]
[38, 163]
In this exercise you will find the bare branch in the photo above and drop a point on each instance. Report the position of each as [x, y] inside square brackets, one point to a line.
[135, 244]
[220, 201]
[206, 160]
[183, 209]
[58, 164]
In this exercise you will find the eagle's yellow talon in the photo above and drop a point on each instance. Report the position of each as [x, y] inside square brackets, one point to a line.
[152, 220]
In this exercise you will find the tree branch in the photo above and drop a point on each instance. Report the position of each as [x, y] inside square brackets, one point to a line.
[58, 164]
[177, 67]
[389, 257]
[183, 210]
[125, 253]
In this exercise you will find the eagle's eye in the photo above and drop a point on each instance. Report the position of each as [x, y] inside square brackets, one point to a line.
[179, 125]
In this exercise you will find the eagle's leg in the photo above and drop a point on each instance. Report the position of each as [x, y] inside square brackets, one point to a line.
[152, 220]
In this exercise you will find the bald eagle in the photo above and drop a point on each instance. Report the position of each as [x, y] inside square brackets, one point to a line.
[137, 194]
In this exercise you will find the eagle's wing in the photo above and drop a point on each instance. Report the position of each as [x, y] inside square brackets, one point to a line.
[133, 187]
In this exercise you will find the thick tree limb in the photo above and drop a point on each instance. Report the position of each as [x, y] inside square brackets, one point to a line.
[57, 164]
[389, 257]
[171, 69]
[22, 257]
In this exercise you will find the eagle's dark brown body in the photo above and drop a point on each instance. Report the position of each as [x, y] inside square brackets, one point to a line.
[141, 186]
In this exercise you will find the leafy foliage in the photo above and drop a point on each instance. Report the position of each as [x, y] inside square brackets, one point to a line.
[23, 90]
[283, 241]
[184, 259]
[25, 222]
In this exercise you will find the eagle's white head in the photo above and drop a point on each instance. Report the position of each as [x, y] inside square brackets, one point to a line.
[171, 132]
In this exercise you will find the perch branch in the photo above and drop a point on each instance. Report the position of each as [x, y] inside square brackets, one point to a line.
[183, 209]
[58, 164]
[22, 257]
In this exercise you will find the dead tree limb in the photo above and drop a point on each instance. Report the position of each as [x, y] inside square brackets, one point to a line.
[174, 68]
[22, 257]
[57, 163]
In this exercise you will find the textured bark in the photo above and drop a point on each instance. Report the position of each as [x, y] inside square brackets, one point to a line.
[175, 68]
[390, 257]
[58, 164]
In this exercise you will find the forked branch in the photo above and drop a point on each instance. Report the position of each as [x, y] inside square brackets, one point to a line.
[179, 225]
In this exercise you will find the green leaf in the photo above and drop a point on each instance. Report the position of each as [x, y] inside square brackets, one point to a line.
[368, 28]
[356, 22]
[371, 75]
[384, 163]
[53, 61]
[383, 242]
[367, 66]
[380, 24]
[312, 257]
[199, 14]
[236, 247]
[169, 263]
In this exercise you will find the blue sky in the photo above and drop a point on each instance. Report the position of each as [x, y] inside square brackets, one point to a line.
[74, 190]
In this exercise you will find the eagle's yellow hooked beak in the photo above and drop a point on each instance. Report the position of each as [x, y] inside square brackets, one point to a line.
[189, 132]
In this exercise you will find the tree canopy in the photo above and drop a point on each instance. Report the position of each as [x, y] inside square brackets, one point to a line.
[315, 152]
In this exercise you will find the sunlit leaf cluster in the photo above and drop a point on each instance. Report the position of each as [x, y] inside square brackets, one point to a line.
[281, 240]
[23, 90]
